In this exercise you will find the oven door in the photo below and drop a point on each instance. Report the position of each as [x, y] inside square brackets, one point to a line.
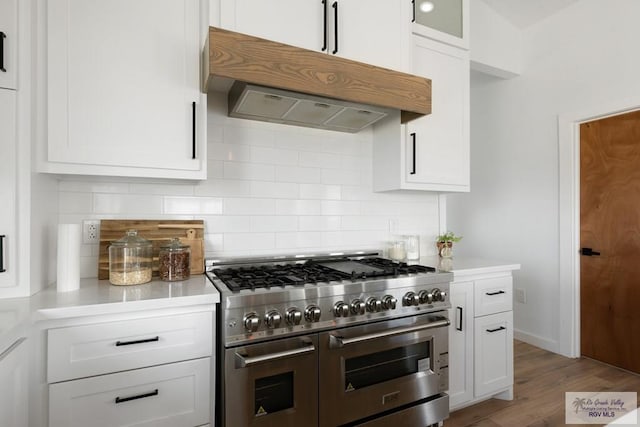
[272, 383]
[375, 369]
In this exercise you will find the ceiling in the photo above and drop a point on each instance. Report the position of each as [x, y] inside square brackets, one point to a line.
[524, 13]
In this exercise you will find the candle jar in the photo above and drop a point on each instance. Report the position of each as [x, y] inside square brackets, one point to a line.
[397, 251]
[413, 247]
[174, 261]
[130, 260]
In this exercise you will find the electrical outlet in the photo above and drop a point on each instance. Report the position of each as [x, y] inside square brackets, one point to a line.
[90, 231]
[521, 296]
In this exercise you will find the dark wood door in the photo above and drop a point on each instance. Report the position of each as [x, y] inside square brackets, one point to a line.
[610, 224]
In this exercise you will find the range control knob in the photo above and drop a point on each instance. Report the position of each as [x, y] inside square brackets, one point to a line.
[312, 313]
[410, 298]
[358, 306]
[374, 305]
[389, 302]
[426, 297]
[438, 295]
[273, 319]
[293, 316]
[251, 322]
[341, 309]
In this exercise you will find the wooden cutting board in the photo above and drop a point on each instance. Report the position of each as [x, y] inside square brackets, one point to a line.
[190, 232]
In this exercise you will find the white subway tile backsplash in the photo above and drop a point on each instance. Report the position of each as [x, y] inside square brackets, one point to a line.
[274, 223]
[320, 191]
[282, 190]
[69, 203]
[298, 207]
[192, 206]
[127, 204]
[249, 206]
[249, 171]
[298, 174]
[320, 223]
[270, 189]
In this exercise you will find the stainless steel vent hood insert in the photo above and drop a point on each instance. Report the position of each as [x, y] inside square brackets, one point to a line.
[267, 104]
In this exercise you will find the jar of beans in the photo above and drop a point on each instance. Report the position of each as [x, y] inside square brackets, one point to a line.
[174, 261]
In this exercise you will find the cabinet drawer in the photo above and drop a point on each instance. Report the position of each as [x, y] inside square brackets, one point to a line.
[169, 395]
[493, 295]
[83, 351]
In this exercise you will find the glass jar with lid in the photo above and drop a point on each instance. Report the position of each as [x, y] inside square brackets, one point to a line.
[130, 260]
[174, 261]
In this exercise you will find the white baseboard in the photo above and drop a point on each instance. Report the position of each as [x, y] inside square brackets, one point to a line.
[543, 343]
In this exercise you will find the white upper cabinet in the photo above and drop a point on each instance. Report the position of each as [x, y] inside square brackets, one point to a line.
[8, 43]
[375, 33]
[430, 153]
[8, 183]
[446, 21]
[123, 88]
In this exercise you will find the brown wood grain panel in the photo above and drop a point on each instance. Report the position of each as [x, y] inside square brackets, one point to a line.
[159, 232]
[610, 224]
[251, 59]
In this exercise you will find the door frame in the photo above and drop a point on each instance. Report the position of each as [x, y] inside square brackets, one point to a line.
[569, 217]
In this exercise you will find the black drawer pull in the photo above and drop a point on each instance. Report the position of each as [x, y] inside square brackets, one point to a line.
[139, 396]
[2, 269]
[120, 343]
[324, 34]
[335, 27]
[2, 37]
[494, 293]
[193, 130]
[459, 328]
[501, 328]
[413, 156]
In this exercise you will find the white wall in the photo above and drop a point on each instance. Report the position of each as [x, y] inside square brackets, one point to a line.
[583, 57]
[271, 189]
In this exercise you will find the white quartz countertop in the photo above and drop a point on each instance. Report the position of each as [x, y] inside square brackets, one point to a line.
[466, 266]
[99, 297]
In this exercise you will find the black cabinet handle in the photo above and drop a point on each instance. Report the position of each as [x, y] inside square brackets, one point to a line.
[193, 133]
[413, 7]
[589, 252]
[501, 328]
[494, 293]
[121, 343]
[335, 27]
[324, 25]
[139, 396]
[2, 37]
[2, 269]
[459, 328]
[413, 161]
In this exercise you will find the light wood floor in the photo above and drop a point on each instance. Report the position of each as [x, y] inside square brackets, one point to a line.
[541, 379]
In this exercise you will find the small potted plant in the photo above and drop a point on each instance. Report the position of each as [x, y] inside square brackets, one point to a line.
[444, 242]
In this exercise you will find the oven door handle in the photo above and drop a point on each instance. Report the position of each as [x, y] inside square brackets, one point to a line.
[338, 341]
[246, 362]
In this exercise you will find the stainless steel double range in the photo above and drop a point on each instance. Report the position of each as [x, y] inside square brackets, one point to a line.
[331, 340]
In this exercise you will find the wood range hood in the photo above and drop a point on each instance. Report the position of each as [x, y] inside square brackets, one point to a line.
[275, 82]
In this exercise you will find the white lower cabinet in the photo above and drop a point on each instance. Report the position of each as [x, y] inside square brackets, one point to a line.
[493, 351]
[14, 384]
[168, 395]
[480, 339]
[131, 371]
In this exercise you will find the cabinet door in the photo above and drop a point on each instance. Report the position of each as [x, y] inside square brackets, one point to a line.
[375, 34]
[13, 385]
[493, 342]
[446, 21]
[461, 344]
[294, 22]
[8, 206]
[8, 43]
[437, 145]
[123, 78]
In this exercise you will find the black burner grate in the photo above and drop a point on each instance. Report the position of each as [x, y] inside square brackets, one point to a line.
[310, 272]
